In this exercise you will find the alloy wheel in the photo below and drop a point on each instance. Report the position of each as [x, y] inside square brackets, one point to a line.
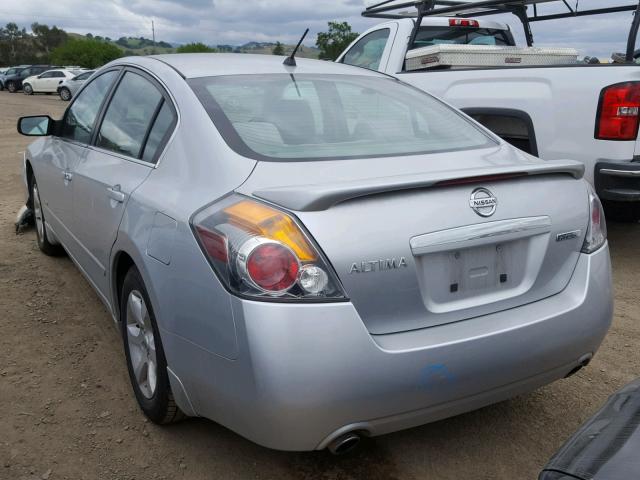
[37, 211]
[142, 346]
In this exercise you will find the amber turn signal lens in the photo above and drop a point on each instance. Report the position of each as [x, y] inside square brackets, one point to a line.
[270, 223]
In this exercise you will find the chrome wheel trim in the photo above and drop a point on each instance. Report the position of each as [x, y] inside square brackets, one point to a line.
[37, 212]
[142, 346]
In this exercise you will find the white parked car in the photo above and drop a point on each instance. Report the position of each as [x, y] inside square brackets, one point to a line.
[47, 82]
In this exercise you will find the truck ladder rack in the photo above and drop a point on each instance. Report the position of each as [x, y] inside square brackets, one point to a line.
[390, 9]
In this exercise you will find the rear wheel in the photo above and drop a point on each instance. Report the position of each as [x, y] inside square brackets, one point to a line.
[622, 211]
[146, 362]
[65, 94]
[44, 245]
[12, 87]
[28, 89]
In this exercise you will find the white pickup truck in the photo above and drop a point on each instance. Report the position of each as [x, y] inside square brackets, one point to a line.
[579, 111]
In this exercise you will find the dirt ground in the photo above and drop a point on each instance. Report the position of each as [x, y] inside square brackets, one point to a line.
[67, 410]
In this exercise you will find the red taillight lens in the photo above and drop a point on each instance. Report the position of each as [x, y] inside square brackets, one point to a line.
[214, 244]
[272, 267]
[463, 22]
[618, 112]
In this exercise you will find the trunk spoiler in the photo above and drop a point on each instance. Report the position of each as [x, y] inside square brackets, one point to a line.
[317, 197]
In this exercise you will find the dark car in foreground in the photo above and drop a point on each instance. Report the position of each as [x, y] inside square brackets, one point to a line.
[606, 447]
[13, 82]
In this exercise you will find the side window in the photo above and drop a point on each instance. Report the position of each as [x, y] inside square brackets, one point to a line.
[57, 74]
[162, 128]
[129, 116]
[81, 116]
[368, 51]
[84, 76]
[47, 75]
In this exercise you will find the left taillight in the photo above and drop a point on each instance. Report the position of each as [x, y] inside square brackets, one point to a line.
[618, 115]
[261, 252]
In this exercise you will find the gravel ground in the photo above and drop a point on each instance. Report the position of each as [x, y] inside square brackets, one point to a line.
[68, 411]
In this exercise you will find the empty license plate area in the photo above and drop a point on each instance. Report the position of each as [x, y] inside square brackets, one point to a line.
[480, 265]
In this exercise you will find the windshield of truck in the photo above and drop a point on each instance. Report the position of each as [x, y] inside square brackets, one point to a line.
[428, 36]
[312, 117]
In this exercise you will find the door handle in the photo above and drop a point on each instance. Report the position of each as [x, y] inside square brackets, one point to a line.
[115, 193]
[68, 176]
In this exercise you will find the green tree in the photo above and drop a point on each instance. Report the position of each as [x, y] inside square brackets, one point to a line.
[333, 42]
[195, 47]
[12, 39]
[278, 49]
[86, 52]
[48, 38]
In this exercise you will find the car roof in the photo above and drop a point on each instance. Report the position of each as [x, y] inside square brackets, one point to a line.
[194, 65]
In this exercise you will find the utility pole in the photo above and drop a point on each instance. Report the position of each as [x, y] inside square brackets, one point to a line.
[153, 33]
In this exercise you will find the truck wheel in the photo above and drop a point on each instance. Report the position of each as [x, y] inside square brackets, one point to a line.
[28, 90]
[11, 86]
[146, 362]
[65, 94]
[622, 211]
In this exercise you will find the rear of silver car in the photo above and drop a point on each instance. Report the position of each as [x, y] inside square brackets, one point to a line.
[404, 295]
[440, 318]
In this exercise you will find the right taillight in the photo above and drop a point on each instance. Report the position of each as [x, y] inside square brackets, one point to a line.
[619, 112]
[597, 228]
[261, 252]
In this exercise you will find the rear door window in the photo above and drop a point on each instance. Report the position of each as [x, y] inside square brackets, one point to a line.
[80, 118]
[159, 134]
[129, 116]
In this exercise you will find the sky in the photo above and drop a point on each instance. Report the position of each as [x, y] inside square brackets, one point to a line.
[236, 22]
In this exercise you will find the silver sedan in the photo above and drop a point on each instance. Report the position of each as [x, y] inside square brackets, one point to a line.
[68, 88]
[311, 254]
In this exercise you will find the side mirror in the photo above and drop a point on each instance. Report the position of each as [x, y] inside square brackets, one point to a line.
[35, 126]
[40, 76]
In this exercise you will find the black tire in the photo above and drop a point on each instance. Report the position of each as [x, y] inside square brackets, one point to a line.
[160, 407]
[12, 87]
[44, 245]
[628, 212]
[65, 94]
[27, 89]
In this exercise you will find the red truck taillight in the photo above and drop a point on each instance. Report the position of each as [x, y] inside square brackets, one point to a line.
[463, 22]
[619, 112]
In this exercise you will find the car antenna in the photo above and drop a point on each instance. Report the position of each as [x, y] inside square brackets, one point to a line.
[290, 61]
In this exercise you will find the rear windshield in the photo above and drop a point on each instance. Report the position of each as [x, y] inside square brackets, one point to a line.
[428, 36]
[312, 117]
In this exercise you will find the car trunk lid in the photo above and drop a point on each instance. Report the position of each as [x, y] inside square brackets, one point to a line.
[439, 244]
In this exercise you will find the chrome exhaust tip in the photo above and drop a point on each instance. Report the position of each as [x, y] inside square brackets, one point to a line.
[344, 443]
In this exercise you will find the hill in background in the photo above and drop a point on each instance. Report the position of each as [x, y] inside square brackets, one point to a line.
[145, 46]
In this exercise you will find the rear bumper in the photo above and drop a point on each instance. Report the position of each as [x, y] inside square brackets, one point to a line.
[618, 181]
[307, 373]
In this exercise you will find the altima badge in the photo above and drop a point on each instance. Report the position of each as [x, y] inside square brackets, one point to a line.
[483, 202]
[378, 265]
